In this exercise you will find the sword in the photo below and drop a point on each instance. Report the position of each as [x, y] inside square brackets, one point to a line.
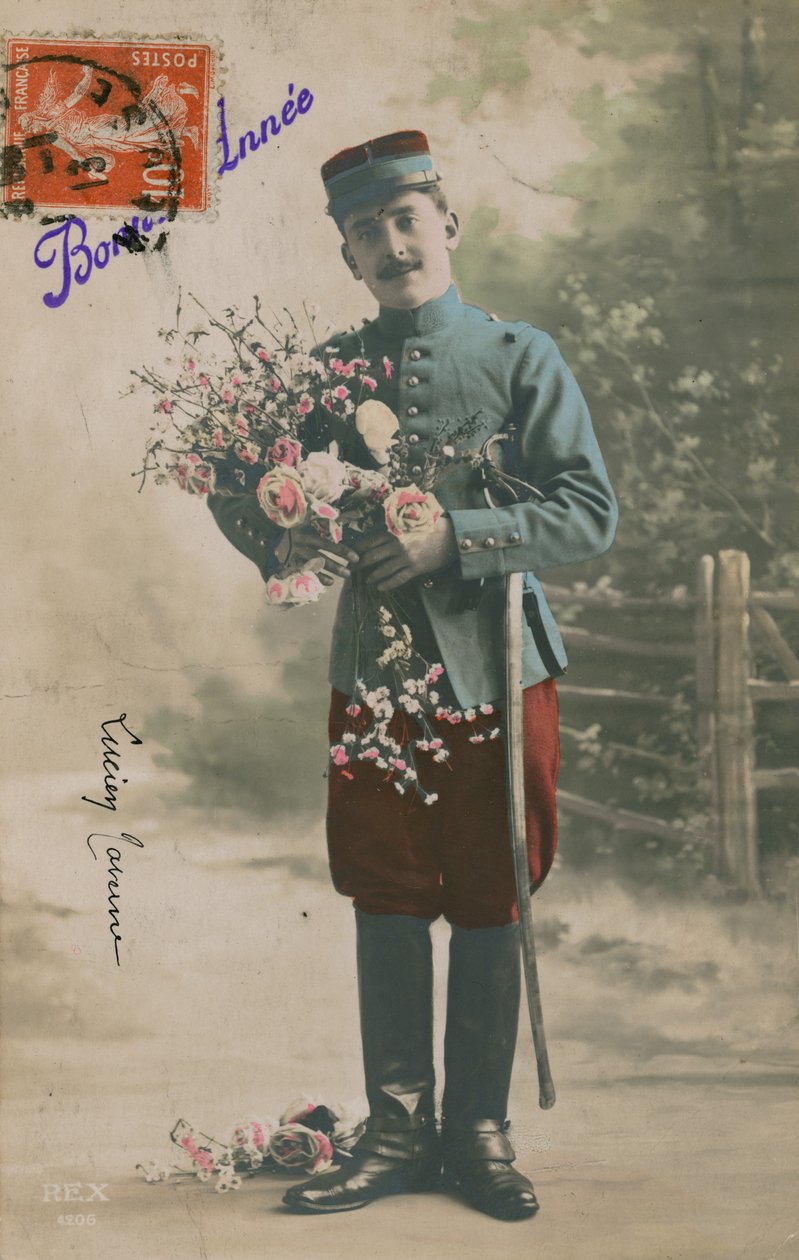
[514, 780]
[494, 479]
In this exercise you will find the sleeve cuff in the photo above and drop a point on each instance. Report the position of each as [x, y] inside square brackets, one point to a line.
[482, 538]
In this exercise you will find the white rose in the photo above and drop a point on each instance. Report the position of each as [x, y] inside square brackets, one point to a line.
[377, 424]
[323, 476]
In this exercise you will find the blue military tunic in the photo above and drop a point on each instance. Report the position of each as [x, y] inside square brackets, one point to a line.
[449, 361]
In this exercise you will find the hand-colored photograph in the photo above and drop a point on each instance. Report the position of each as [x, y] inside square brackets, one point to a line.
[402, 618]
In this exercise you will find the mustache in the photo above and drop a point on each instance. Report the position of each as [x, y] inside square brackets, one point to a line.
[393, 269]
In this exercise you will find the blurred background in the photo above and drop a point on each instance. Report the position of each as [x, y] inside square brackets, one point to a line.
[625, 174]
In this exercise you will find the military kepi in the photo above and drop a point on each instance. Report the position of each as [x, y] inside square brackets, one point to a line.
[383, 165]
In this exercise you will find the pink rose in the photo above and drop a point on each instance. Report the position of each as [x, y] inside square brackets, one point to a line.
[327, 522]
[285, 451]
[370, 383]
[194, 475]
[325, 1157]
[305, 587]
[339, 755]
[297, 1110]
[280, 494]
[251, 1135]
[305, 404]
[353, 710]
[411, 510]
[295, 1146]
[276, 591]
[368, 481]
[247, 453]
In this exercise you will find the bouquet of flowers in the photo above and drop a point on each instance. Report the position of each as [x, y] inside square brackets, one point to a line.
[308, 1138]
[268, 420]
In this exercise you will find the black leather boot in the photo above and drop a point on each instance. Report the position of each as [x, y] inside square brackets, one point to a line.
[479, 1045]
[399, 1152]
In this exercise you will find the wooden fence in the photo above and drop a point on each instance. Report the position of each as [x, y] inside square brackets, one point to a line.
[725, 612]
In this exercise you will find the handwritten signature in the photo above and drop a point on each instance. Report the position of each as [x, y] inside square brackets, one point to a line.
[111, 759]
[114, 856]
[111, 765]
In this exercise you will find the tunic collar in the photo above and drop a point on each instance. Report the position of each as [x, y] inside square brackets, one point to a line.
[424, 319]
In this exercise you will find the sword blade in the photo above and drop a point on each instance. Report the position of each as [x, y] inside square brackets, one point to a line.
[514, 781]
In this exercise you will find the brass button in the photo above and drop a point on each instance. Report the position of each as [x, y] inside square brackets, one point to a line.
[261, 542]
[413, 411]
[428, 582]
[490, 542]
[413, 438]
[465, 544]
[240, 523]
[413, 380]
[515, 537]
[415, 354]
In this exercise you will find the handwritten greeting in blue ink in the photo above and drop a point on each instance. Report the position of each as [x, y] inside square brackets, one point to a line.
[65, 246]
[268, 125]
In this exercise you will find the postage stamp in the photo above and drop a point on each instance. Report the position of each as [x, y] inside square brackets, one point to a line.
[106, 125]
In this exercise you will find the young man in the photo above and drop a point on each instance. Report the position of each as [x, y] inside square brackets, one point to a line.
[403, 864]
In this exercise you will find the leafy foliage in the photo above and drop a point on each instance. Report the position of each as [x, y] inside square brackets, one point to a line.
[674, 301]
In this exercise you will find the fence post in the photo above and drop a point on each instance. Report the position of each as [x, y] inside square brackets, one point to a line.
[735, 725]
[705, 655]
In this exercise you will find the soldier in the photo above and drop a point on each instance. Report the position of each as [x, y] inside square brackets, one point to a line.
[402, 864]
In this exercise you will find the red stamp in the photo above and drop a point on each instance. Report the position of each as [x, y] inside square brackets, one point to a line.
[107, 125]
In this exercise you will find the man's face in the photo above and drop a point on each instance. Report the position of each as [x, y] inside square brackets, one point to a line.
[400, 249]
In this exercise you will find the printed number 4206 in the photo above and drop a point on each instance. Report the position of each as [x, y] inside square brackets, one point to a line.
[78, 1219]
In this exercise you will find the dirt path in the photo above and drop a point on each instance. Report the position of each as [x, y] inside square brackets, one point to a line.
[673, 1040]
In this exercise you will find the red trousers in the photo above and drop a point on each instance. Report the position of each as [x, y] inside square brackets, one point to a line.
[395, 855]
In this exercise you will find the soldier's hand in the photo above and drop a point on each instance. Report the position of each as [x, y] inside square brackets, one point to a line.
[388, 561]
[303, 545]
